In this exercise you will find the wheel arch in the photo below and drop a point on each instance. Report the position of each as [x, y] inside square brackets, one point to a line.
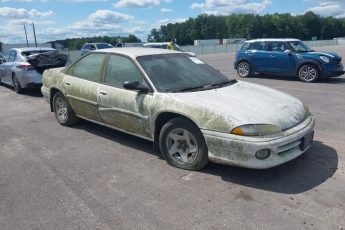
[309, 62]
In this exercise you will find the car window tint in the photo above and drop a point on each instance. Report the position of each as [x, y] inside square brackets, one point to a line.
[89, 67]
[121, 69]
[12, 56]
[258, 46]
[278, 46]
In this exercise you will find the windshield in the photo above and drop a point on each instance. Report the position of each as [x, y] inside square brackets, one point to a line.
[299, 46]
[179, 72]
[104, 46]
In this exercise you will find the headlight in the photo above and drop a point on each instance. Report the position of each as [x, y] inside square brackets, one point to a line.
[256, 130]
[325, 59]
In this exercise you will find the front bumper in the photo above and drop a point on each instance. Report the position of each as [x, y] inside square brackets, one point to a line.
[332, 70]
[240, 151]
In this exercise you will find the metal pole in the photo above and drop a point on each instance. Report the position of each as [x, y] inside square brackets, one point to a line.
[33, 27]
[26, 36]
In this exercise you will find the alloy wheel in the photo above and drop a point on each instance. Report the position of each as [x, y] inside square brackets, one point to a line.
[182, 146]
[61, 109]
[308, 73]
[243, 69]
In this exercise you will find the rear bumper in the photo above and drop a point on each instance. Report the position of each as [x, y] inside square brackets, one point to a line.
[240, 151]
[46, 94]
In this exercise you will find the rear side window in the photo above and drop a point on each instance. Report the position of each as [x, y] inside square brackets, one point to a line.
[278, 46]
[258, 46]
[89, 67]
[13, 56]
[121, 69]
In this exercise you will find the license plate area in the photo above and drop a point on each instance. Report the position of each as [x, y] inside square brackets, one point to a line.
[307, 140]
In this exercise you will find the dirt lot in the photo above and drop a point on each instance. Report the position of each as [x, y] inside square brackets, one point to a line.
[91, 177]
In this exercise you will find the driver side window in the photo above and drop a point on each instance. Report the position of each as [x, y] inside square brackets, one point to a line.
[121, 69]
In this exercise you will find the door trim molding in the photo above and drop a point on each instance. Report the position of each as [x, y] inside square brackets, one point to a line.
[129, 113]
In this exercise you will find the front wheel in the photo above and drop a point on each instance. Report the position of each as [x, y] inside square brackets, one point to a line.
[182, 145]
[243, 69]
[308, 73]
[63, 112]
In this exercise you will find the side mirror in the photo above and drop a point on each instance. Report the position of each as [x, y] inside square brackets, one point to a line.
[288, 52]
[135, 85]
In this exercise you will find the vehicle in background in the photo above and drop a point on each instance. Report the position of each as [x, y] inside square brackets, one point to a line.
[191, 112]
[88, 47]
[23, 67]
[2, 58]
[289, 57]
[164, 45]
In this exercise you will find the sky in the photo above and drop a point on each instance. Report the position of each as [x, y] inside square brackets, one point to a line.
[60, 19]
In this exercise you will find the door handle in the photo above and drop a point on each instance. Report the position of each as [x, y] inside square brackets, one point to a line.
[103, 92]
[67, 83]
[250, 54]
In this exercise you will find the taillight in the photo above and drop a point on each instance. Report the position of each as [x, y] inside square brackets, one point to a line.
[25, 67]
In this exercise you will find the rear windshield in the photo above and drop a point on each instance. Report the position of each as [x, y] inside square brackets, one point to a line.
[28, 53]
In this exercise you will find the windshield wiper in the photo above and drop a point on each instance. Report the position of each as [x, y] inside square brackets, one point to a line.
[206, 87]
[195, 88]
[224, 83]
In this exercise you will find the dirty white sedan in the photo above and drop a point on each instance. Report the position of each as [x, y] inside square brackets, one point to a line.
[191, 112]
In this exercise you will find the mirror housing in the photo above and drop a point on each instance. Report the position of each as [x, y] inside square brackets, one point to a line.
[288, 52]
[135, 85]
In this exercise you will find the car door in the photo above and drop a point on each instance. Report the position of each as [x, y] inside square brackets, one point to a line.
[259, 56]
[82, 84]
[127, 110]
[281, 62]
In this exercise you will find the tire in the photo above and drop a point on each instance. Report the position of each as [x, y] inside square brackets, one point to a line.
[308, 73]
[182, 145]
[64, 114]
[244, 69]
[16, 84]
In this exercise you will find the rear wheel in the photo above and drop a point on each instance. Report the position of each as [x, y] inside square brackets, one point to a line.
[243, 69]
[182, 145]
[63, 112]
[308, 73]
[17, 87]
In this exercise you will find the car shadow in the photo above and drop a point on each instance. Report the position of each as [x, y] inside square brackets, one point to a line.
[27, 92]
[332, 80]
[306, 172]
[302, 174]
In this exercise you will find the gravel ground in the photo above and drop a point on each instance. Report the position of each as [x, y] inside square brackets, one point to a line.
[91, 177]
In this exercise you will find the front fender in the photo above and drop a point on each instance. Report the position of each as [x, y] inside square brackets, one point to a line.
[309, 61]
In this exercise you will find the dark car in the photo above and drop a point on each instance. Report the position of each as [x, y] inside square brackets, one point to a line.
[289, 57]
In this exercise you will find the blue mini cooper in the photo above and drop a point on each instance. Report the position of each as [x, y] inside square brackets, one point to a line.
[289, 57]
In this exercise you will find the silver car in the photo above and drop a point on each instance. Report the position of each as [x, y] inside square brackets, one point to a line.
[23, 67]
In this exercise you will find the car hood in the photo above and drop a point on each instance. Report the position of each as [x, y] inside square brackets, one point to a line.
[247, 103]
[317, 54]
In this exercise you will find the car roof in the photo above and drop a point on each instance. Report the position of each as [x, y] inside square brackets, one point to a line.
[156, 43]
[274, 40]
[96, 43]
[134, 52]
[33, 49]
